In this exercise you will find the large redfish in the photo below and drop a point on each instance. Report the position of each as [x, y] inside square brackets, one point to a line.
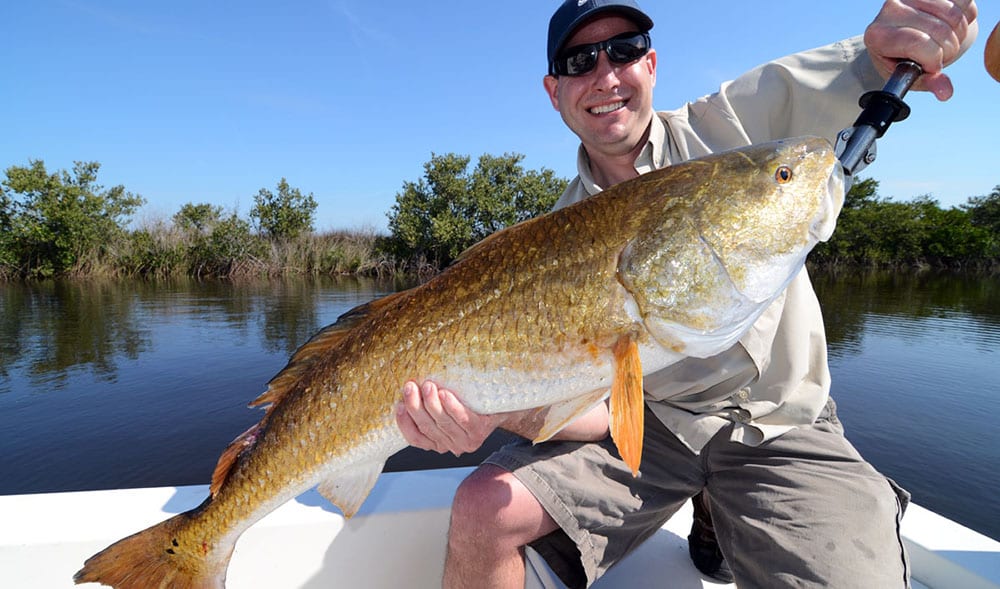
[554, 313]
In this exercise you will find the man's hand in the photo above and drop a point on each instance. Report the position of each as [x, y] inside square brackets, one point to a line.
[933, 33]
[434, 419]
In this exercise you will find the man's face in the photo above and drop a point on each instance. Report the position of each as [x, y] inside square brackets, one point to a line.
[609, 107]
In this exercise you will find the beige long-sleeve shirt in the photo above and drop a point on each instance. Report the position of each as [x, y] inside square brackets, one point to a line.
[776, 377]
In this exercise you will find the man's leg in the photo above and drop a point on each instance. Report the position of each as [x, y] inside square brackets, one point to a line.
[601, 511]
[805, 510]
[493, 517]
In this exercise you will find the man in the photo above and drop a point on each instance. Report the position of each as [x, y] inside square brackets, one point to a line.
[792, 501]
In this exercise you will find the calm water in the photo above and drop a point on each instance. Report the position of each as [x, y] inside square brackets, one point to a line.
[106, 385]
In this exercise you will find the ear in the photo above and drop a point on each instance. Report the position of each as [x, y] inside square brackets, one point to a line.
[551, 84]
[651, 65]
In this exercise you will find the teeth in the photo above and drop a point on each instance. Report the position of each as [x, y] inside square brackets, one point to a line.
[599, 110]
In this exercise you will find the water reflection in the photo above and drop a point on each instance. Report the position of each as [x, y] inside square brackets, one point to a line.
[54, 327]
[850, 300]
[132, 384]
[51, 329]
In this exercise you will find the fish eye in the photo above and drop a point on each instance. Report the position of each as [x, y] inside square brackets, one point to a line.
[783, 175]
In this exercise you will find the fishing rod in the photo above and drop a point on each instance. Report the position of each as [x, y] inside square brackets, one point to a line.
[880, 108]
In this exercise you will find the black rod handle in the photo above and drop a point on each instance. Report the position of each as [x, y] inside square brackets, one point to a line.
[880, 108]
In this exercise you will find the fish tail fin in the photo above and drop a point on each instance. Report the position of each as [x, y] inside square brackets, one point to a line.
[156, 557]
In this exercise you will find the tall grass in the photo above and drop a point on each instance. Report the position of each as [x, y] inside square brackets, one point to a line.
[340, 252]
[159, 249]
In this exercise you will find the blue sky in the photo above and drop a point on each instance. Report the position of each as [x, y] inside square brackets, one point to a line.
[190, 101]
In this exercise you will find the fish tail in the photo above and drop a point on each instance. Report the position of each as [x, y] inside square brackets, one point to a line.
[156, 557]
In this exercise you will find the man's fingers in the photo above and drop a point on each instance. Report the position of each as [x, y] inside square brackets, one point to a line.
[933, 33]
[938, 84]
[443, 421]
[431, 401]
[430, 424]
[472, 429]
[436, 419]
[454, 420]
[457, 413]
[946, 23]
[422, 408]
[411, 431]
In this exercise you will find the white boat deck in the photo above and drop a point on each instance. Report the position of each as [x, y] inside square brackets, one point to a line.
[397, 540]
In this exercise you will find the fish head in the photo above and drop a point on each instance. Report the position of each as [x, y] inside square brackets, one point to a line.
[734, 230]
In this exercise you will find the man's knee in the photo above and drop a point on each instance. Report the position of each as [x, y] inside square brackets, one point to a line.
[493, 503]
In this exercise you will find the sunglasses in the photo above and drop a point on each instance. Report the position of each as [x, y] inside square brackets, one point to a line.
[580, 59]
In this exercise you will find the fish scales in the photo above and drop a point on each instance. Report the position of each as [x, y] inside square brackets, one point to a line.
[553, 312]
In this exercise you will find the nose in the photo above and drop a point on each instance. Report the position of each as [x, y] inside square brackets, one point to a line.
[605, 73]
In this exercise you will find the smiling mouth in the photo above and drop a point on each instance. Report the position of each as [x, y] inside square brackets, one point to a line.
[604, 109]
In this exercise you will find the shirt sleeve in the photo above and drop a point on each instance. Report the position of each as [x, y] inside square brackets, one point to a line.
[814, 92]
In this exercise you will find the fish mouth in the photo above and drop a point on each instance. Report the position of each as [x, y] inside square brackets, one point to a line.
[826, 221]
[607, 108]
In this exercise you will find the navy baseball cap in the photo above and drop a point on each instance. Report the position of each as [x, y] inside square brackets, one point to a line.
[572, 13]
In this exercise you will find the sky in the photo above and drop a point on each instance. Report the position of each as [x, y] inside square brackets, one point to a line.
[193, 101]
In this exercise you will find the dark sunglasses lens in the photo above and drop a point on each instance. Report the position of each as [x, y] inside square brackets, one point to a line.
[580, 62]
[628, 49]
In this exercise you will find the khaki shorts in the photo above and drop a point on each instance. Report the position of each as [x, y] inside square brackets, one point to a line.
[802, 510]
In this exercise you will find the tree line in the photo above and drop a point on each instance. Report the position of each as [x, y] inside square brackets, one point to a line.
[878, 232]
[66, 224]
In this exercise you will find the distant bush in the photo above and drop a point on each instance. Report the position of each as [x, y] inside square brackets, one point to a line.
[197, 218]
[284, 215]
[229, 249]
[59, 223]
[449, 209]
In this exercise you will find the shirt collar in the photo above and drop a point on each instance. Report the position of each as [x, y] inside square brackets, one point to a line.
[651, 157]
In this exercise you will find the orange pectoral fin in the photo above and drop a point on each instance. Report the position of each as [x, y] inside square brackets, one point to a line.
[627, 407]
